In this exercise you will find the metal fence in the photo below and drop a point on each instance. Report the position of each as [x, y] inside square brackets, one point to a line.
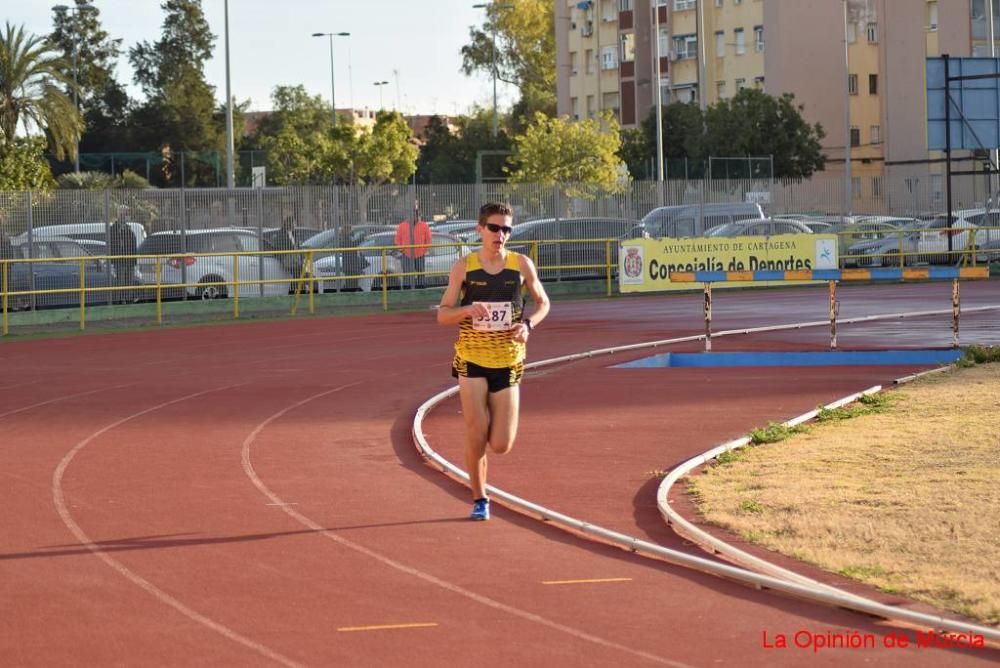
[324, 207]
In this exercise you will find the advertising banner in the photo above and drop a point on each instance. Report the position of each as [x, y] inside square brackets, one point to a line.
[646, 264]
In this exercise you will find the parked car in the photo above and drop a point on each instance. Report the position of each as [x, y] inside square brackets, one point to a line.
[755, 228]
[867, 229]
[48, 274]
[989, 251]
[885, 251]
[582, 251]
[332, 238]
[691, 220]
[933, 245]
[301, 234]
[205, 270]
[467, 230]
[82, 231]
[445, 249]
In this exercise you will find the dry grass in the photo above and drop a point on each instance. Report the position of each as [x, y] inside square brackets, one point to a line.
[907, 500]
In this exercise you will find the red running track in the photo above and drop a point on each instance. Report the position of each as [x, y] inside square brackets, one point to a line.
[250, 495]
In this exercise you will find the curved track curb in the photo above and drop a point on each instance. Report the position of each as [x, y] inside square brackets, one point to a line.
[810, 590]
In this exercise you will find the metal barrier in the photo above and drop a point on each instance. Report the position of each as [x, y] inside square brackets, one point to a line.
[832, 276]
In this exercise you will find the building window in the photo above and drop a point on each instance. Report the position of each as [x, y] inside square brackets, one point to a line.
[572, 62]
[608, 11]
[720, 44]
[876, 134]
[610, 101]
[574, 105]
[590, 106]
[758, 39]
[624, 5]
[681, 5]
[628, 47]
[685, 47]
[872, 32]
[718, 3]
[932, 15]
[758, 82]
[609, 58]
[852, 84]
[591, 61]
[873, 84]
[740, 84]
[664, 43]
[855, 136]
[741, 44]
[720, 90]
[852, 33]
[877, 187]
[855, 186]
[664, 91]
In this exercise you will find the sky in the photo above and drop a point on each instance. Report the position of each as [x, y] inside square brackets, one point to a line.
[415, 45]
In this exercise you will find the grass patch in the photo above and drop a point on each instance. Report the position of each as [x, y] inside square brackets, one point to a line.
[903, 497]
[773, 433]
[974, 355]
[867, 404]
[751, 506]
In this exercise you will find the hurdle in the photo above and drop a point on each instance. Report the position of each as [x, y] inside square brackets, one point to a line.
[833, 277]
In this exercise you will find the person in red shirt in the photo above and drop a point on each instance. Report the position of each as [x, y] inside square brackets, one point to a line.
[409, 236]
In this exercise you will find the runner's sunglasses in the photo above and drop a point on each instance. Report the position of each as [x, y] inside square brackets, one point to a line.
[497, 229]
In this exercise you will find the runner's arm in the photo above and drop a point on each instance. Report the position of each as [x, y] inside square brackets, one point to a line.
[449, 312]
[538, 296]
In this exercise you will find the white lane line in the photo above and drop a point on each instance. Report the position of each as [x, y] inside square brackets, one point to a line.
[410, 570]
[59, 499]
[62, 398]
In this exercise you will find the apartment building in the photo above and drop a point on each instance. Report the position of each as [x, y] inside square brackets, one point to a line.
[857, 66]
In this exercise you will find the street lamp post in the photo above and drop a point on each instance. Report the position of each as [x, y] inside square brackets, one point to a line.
[333, 93]
[230, 144]
[379, 84]
[80, 8]
[493, 24]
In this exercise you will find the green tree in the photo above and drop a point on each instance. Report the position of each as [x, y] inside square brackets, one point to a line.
[449, 156]
[753, 123]
[525, 54]
[31, 77]
[23, 165]
[683, 133]
[179, 113]
[93, 55]
[580, 155]
[297, 138]
[636, 152]
[387, 154]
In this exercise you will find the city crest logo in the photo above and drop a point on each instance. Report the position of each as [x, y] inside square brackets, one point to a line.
[632, 264]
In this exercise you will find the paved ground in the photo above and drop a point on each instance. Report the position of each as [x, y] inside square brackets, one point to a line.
[250, 495]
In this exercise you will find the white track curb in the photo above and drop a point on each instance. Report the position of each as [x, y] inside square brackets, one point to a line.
[799, 586]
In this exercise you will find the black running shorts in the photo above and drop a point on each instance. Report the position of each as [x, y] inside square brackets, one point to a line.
[496, 379]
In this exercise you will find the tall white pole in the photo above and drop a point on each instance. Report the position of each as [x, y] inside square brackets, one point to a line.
[994, 154]
[848, 189]
[230, 171]
[76, 101]
[333, 89]
[656, 92]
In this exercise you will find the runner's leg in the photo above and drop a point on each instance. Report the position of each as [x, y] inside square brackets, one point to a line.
[504, 408]
[473, 394]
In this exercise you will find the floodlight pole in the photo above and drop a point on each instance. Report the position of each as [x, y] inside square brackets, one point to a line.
[656, 92]
[230, 171]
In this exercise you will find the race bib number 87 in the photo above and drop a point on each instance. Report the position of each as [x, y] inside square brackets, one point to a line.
[498, 318]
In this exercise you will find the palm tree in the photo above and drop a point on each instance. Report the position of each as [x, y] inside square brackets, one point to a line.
[31, 73]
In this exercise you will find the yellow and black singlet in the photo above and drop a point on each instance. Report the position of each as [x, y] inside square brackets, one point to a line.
[491, 349]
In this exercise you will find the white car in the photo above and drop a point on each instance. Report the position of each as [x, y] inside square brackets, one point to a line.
[205, 272]
[933, 242]
[446, 249]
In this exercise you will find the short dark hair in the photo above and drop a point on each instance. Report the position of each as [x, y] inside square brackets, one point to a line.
[492, 209]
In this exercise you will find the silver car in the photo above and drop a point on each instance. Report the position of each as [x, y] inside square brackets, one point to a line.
[211, 274]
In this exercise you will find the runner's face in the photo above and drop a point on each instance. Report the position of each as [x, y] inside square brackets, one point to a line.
[495, 240]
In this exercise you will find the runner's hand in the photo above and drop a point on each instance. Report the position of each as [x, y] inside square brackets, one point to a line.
[521, 332]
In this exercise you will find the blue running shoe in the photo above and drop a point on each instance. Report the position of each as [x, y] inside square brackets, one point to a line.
[480, 510]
